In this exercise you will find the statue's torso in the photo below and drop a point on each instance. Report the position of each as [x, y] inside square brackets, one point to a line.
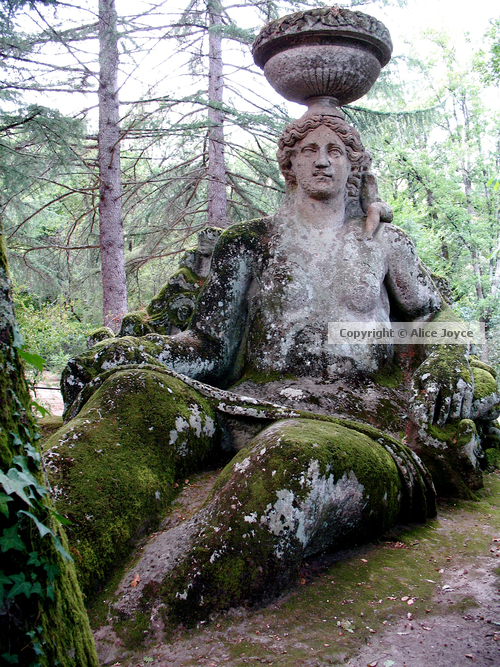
[313, 277]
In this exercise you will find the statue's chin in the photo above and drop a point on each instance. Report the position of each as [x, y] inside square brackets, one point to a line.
[322, 190]
[320, 195]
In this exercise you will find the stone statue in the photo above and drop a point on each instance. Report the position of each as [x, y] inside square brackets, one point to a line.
[319, 425]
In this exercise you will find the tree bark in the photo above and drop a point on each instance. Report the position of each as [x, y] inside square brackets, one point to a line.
[114, 284]
[47, 624]
[217, 199]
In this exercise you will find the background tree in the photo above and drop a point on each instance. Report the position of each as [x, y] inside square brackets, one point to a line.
[114, 281]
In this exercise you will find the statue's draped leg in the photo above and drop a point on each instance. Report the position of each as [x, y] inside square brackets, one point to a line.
[300, 487]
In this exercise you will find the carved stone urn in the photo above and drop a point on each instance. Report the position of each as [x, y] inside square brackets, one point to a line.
[324, 57]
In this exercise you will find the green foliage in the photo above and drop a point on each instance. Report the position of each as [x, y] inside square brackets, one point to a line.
[50, 330]
[487, 62]
[38, 587]
[438, 171]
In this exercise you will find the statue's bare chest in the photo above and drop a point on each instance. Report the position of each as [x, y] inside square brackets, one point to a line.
[322, 275]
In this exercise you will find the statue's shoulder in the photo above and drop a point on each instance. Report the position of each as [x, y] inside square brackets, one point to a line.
[250, 235]
[394, 236]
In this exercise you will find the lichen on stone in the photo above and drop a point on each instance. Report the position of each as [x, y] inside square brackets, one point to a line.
[113, 467]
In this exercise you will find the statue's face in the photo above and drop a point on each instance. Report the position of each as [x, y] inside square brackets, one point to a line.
[321, 165]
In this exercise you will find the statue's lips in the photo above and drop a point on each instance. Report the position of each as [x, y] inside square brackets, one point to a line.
[321, 174]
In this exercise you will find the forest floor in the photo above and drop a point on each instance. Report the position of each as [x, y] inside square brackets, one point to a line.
[423, 596]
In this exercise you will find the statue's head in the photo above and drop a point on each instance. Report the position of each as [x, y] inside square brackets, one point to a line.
[294, 133]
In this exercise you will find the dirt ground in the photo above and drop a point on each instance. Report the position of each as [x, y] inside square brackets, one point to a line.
[49, 396]
[425, 596]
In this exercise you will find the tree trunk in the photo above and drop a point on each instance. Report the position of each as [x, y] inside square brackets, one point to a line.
[114, 284]
[42, 615]
[217, 200]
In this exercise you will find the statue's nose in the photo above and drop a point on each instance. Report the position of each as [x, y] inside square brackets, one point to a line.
[323, 158]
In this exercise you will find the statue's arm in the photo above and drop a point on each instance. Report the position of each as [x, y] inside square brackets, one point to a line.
[442, 386]
[208, 349]
[408, 282]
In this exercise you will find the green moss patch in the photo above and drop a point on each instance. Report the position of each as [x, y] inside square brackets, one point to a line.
[492, 459]
[484, 383]
[390, 377]
[300, 487]
[113, 468]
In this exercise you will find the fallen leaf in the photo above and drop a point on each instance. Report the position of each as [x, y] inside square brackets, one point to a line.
[326, 644]
[403, 599]
[388, 663]
[372, 664]
[135, 581]
[469, 655]
[302, 582]
[411, 602]
[147, 659]
[363, 560]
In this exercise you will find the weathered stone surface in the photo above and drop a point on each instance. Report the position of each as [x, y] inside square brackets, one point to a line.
[326, 25]
[113, 468]
[299, 488]
[98, 335]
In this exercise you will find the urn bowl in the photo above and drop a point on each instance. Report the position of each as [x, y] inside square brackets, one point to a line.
[326, 52]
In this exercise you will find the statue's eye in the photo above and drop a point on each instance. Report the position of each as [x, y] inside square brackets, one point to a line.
[335, 150]
[309, 150]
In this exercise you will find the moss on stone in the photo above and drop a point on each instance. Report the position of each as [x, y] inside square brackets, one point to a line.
[57, 620]
[389, 376]
[113, 467]
[446, 434]
[246, 232]
[298, 488]
[259, 377]
[48, 425]
[475, 362]
[484, 382]
[182, 282]
[98, 335]
[453, 465]
[104, 356]
[136, 324]
[492, 459]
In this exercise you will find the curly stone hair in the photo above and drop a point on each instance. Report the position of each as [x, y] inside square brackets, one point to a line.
[359, 158]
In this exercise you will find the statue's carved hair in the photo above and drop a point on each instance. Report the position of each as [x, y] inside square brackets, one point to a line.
[359, 158]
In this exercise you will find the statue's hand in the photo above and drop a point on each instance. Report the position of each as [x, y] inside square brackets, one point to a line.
[442, 387]
[375, 209]
[377, 212]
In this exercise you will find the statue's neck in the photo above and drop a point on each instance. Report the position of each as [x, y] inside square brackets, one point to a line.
[314, 213]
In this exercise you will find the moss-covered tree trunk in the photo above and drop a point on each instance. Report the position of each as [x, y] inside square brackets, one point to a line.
[43, 621]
